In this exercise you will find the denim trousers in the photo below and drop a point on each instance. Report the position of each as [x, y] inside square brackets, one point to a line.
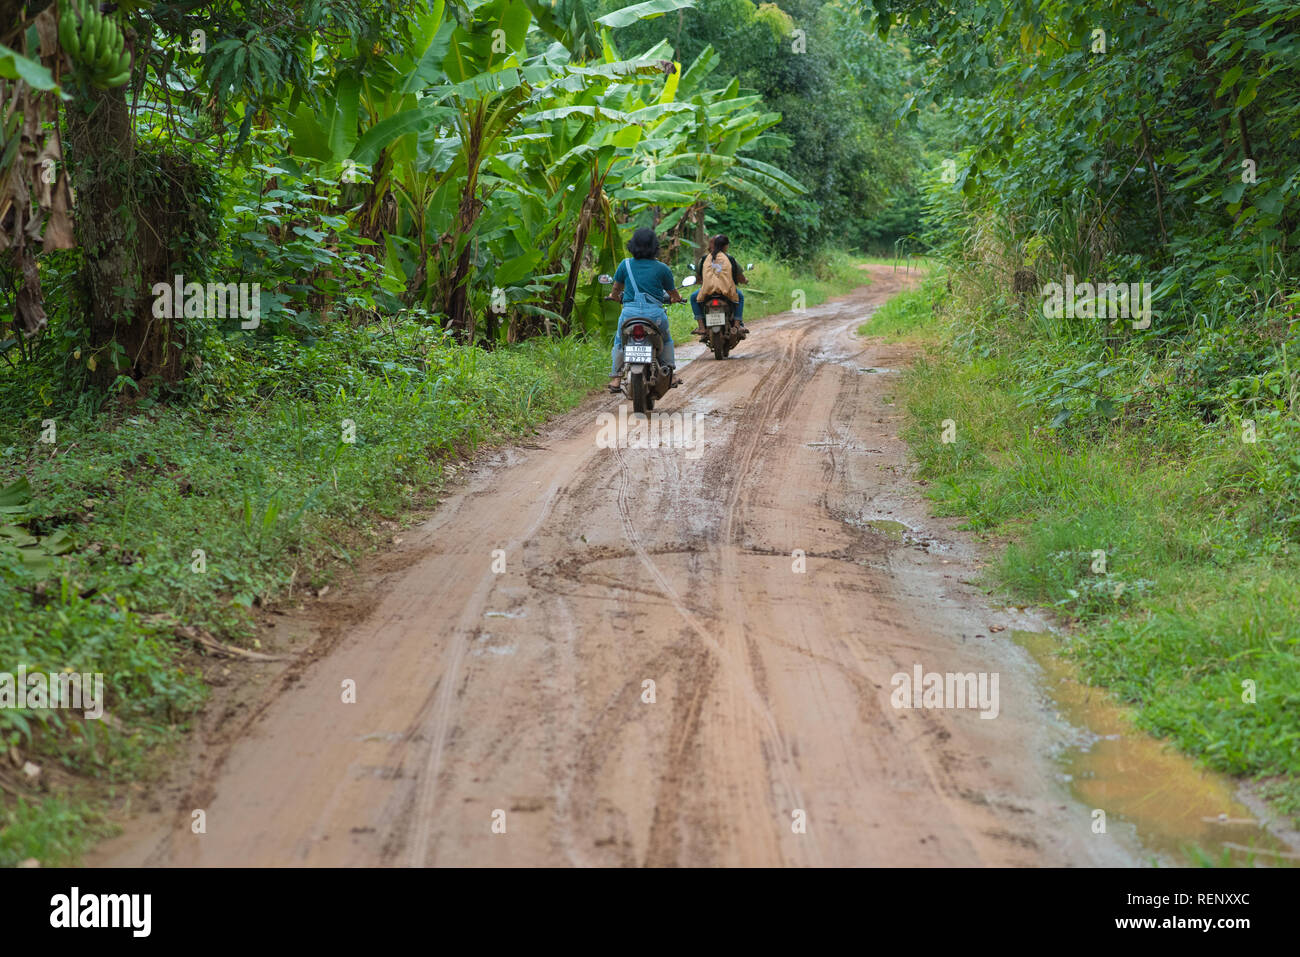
[657, 315]
[740, 306]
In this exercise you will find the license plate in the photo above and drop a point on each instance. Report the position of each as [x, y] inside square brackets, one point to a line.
[715, 318]
[634, 353]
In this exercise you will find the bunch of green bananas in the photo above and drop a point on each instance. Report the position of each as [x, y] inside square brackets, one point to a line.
[95, 44]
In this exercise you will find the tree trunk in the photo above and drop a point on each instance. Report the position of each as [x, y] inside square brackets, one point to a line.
[457, 298]
[701, 238]
[378, 212]
[579, 243]
[108, 222]
[1155, 178]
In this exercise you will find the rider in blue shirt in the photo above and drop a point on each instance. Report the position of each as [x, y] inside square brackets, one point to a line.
[643, 284]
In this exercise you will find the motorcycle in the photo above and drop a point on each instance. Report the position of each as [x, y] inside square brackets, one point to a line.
[645, 379]
[722, 332]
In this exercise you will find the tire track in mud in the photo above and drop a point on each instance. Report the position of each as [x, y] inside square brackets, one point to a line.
[776, 387]
[737, 662]
[434, 724]
[733, 666]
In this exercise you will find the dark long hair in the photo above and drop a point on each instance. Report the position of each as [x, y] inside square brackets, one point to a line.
[718, 244]
[644, 244]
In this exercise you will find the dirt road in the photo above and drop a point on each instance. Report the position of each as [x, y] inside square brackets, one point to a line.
[483, 688]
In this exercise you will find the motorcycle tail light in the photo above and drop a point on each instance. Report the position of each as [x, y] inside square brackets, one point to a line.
[638, 332]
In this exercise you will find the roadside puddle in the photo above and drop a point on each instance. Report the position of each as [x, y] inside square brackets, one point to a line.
[900, 533]
[885, 526]
[1184, 813]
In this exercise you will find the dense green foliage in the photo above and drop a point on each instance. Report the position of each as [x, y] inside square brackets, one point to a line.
[1102, 143]
[481, 161]
[838, 89]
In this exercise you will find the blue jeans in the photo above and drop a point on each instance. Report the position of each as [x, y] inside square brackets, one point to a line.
[666, 355]
[740, 306]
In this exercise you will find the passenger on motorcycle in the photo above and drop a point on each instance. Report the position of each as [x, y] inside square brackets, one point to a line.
[643, 284]
[714, 278]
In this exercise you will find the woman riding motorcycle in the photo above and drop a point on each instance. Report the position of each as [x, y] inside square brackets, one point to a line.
[718, 245]
[643, 284]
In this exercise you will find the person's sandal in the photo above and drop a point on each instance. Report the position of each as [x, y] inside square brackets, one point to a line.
[615, 389]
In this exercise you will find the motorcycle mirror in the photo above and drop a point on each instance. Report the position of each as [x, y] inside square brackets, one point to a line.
[750, 266]
[688, 281]
[605, 279]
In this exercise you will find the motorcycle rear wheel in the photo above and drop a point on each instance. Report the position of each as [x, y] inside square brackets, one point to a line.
[640, 393]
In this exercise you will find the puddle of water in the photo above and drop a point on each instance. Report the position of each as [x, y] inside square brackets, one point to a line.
[885, 526]
[901, 534]
[505, 614]
[1173, 802]
[874, 369]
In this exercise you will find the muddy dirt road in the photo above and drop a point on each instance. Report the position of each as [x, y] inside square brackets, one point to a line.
[523, 690]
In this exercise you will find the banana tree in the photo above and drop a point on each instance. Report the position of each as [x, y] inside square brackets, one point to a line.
[591, 149]
[371, 126]
[506, 167]
[722, 126]
[584, 37]
[565, 148]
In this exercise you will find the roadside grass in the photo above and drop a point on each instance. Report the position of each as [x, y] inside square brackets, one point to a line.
[1179, 581]
[53, 831]
[903, 318]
